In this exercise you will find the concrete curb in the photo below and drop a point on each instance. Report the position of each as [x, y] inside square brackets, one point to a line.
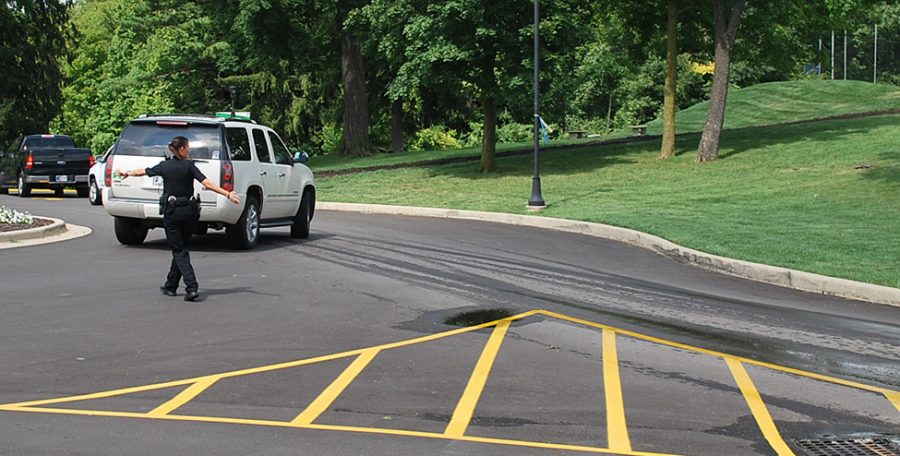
[774, 275]
[57, 231]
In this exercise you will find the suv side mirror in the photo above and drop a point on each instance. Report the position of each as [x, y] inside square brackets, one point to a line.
[301, 157]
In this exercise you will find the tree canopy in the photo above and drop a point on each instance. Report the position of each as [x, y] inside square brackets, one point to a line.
[445, 74]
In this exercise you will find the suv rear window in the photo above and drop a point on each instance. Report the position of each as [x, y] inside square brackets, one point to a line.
[148, 139]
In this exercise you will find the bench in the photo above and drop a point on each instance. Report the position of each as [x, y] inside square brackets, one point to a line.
[576, 134]
[639, 130]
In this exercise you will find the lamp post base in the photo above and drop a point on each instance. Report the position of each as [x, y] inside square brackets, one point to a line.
[536, 202]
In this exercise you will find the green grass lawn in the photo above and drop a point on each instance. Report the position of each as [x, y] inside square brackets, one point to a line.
[762, 104]
[787, 195]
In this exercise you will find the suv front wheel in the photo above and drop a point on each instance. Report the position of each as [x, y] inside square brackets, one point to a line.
[130, 231]
[245, 232]
[300, 227]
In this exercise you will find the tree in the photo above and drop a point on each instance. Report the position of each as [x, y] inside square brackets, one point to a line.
[382, 24]
[668, 138]
[726, 26]
[32, 43]
[355, 141]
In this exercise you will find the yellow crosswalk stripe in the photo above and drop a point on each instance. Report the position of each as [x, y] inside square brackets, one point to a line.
[466, 406]
[616, 427]
[758, 408]
[321, 403]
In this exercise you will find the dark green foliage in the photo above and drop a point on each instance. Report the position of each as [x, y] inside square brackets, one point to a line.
[442, 59]
[32, 43]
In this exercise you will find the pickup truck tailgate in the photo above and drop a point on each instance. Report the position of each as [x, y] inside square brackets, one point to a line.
[60, 161]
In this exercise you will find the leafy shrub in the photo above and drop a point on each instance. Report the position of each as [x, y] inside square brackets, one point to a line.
[515, 133]
[12, 216]
[329, 137]
[436, 137]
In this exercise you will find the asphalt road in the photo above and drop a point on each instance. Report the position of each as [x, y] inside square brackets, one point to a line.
[339, 345]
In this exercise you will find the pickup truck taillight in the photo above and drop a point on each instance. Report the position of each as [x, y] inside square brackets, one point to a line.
[107, 173]
[226, 176]
[29, 162]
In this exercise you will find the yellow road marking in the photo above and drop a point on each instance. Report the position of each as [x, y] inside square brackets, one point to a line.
[616, 427]
[321, 403]
[758, 407]
[256, 370]
[464, 412]
[99, 395]
[183, 397]
[894, 397]
[469, 438]
[328, 427]
[466, 406]
[657, 340]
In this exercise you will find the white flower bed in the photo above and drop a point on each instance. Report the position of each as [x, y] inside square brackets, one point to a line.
[13, 216]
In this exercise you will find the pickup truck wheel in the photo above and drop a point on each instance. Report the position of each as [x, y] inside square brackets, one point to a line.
[245, 233]
[83, 192]
[130, 231]
[24, 188]
[94, 195]
[300, 227]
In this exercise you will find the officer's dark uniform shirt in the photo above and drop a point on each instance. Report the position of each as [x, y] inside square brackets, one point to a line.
[178, 176]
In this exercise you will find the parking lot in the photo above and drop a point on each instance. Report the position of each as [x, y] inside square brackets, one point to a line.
[296, 347]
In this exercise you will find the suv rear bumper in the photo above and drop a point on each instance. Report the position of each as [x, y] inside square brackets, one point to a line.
[45, 180]
[222, 211]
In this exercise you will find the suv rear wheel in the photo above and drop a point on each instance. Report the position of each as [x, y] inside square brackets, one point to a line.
[300, 228]
[245, 232]
[94, 194]
[130, 231]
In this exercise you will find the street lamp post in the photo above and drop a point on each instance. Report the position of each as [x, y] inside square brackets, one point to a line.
[536, 201]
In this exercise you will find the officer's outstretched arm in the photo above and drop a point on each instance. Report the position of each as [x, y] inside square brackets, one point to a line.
[132, 172]
[232, 196]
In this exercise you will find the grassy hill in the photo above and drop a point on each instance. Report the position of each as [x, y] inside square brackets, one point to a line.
[821, 196]
[792, 101]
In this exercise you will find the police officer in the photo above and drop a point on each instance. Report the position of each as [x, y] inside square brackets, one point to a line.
[182, 211]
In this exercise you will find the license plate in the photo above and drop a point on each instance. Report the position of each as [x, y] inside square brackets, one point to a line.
[62, 178]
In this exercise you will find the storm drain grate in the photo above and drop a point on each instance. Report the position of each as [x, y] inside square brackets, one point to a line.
[848, 447]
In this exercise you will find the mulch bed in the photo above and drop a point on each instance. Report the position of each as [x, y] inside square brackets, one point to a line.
[7, 227]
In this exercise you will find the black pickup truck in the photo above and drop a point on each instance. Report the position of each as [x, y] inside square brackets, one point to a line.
[45, 161]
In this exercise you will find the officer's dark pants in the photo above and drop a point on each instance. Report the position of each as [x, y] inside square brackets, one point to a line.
[180, 225]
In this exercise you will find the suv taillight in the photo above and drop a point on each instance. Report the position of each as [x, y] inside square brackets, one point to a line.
[91, 160]
[107, 173]
[29, 162]
[226, 176]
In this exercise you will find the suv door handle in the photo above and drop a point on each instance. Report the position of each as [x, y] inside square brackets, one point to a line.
[263, 173]
[280, 174]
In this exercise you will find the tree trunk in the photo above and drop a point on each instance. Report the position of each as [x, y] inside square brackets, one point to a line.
[489, 144]
[489, 108]
[397, 144]
[609, 113]
[668, 138]
[726, 30]
[355, 141]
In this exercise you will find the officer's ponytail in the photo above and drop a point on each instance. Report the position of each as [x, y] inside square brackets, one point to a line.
[177, 143]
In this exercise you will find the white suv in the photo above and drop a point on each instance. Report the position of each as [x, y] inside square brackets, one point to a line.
[275, 187]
